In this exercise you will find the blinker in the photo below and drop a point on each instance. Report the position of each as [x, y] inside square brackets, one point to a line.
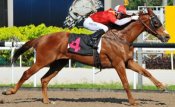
[156, 25]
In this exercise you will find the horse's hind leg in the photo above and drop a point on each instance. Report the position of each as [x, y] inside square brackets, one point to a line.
[27, 74]
[137, 68]
[55, 67]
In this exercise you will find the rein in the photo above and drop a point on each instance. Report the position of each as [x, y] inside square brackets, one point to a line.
[154, 32]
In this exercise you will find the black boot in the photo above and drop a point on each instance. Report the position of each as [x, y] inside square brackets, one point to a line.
[95, 37]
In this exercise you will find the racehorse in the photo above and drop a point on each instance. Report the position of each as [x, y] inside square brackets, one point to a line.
[116, 52]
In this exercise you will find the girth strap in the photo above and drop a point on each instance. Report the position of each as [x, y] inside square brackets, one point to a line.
[97, 61]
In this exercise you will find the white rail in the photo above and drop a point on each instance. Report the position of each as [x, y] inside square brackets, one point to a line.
[12, 46]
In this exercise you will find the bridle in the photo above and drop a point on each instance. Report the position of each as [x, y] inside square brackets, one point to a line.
[152, 28]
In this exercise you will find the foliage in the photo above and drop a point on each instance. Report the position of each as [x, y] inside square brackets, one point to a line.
[133, 4]
[28, 32]
[170, 2]
[5, 57]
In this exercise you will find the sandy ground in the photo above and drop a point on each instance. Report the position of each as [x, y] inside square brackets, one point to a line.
[86, 98]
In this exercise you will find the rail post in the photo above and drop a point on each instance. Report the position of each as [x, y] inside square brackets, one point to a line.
[135, 74]
[172, 62]
[34, 81]
[140, 39]
[140, 80]
[12, 66]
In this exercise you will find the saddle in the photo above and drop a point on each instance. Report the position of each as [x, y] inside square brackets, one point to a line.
[79, 44]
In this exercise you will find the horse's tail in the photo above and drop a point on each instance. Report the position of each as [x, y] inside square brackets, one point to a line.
[23, 49]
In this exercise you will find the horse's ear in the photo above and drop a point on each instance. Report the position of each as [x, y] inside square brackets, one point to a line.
[140, 13]
[150, 11]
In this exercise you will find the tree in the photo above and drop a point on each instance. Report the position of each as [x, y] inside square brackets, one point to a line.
[133, 4]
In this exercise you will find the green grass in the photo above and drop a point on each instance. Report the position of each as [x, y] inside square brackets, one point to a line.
[88, 86]
[108, 86]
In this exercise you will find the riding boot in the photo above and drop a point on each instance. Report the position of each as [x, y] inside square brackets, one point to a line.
[95, 37]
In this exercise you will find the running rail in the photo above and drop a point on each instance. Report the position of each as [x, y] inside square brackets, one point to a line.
[137, 45]
[11, 44]
[154, 45]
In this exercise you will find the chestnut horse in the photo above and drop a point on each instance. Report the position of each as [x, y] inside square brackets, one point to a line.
[116, 52]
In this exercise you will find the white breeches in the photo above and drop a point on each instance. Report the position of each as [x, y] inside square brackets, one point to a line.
[91, 25]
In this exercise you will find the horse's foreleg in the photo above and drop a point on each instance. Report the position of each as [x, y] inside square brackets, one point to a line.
[120, 68]
[55, 67]
[137, 68]
[27, 74]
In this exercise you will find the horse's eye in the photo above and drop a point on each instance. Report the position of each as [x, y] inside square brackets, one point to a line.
[156, 23]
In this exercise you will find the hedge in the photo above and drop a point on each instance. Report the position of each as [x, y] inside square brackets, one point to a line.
[28, 32]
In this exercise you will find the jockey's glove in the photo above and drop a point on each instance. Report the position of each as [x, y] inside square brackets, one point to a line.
[134, 17]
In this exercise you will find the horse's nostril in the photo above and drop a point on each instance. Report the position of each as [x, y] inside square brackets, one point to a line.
[168, 37]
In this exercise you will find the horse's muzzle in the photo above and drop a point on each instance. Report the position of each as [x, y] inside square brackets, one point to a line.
[164, 38]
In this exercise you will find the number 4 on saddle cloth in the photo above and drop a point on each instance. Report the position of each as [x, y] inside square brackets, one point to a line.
[79, 44]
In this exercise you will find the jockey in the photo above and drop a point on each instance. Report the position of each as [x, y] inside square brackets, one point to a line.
[98, 21]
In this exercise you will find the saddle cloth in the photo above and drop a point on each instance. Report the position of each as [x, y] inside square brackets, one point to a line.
[78, 44]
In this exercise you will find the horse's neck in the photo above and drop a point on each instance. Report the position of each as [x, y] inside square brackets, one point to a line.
[132, 31]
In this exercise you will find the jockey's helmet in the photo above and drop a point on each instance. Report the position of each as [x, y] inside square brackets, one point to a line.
[120, 9]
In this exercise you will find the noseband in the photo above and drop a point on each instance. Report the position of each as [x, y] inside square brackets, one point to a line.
[152, 28]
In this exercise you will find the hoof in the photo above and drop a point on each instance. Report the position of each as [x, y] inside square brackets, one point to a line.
[4, 93]
[46, 102]
[8, 92]
[162, 87]
[165, 90]
[133, 103]
[52, 102]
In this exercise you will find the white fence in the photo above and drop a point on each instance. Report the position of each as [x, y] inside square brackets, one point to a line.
[79, 75]
[85, 75]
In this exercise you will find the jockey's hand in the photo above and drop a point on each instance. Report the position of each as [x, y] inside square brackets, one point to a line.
[134, 17]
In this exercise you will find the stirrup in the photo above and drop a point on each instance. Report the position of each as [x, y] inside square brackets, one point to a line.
[95, 45]
[94, 38]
